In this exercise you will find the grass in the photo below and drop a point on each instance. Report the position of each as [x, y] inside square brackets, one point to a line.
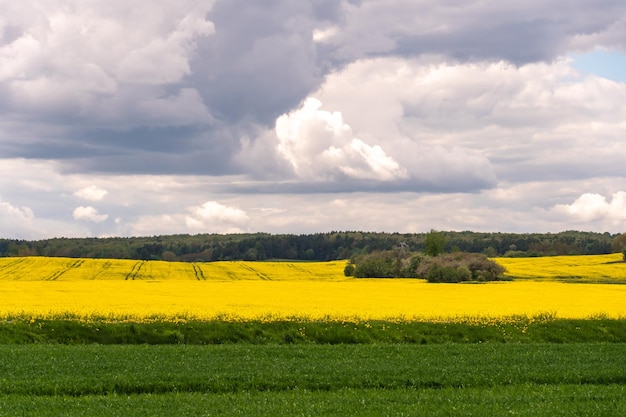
[525, 401]
[521, 329]
[446, 379]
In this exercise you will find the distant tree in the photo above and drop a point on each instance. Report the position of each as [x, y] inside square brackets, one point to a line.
[251, 255]
[25, 250]
[169, 256]
[619, 243]
[490, 252]
[434, 243]
[349, 269]
[260, 250]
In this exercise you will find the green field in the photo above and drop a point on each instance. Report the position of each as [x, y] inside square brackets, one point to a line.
[445, 379]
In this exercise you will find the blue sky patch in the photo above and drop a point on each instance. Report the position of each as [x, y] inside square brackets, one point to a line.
[606, 64]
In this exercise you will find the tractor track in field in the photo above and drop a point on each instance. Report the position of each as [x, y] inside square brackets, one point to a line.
[56, 274]
[132, 275]
[198, 272]
[259, 274]
[105, 267]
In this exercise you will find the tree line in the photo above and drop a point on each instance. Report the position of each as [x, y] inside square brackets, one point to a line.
[319, 246]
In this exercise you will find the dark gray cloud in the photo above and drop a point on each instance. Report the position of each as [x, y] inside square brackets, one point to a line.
[517, 42]
[494, 30]
[350, 185]
[262, 60]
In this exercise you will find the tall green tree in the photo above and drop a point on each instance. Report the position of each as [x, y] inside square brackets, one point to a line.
[434, 243]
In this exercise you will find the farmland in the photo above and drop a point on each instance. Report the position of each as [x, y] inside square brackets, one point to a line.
[608, 269]
[102, 337]
[440, 380]
[139, 290]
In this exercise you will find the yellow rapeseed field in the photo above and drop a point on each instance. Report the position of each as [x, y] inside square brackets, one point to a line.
[140, 290]
[584, 268]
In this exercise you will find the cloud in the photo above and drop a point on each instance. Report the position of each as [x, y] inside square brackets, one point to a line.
[221, 72]
[212, 217]
[90, 214]
[91, 193]
[486, 121]
[149, 225]
[475, 31]
[138, 66]
[460, 115]
[63, 37]
[432, 125]
[320, 146]
[379, 96]
[16, 220]
[89, 63]
[262, 59]
[592, 207]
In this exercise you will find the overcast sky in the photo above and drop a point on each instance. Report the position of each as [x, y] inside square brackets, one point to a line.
[157, 117]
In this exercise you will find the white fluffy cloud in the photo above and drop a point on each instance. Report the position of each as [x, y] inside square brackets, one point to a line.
[91, 193]
[319, 145]
[89, 58]
[483, 119]
[90, 214]
[372, 132]
[212, 217]
[15, 220]
[593, 207]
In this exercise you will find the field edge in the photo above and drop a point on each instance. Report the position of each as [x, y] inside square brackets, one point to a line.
[517, 329]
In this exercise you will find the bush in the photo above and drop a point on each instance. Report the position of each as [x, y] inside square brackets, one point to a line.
[375, 267]
[387, 264]
[450, 267]
[459, 267]
[464, 273]
[443, 274]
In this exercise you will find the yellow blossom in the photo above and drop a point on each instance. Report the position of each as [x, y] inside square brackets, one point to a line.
[151, 290]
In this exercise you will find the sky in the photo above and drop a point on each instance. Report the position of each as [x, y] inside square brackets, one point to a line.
[307, 116]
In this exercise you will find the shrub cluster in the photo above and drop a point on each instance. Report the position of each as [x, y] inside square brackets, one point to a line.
[459, 267]
[385, 264]
[450, 267]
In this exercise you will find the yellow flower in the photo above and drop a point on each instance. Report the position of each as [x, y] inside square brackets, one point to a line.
[124, 290]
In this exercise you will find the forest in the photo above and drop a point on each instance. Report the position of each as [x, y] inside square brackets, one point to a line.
[319, 246]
